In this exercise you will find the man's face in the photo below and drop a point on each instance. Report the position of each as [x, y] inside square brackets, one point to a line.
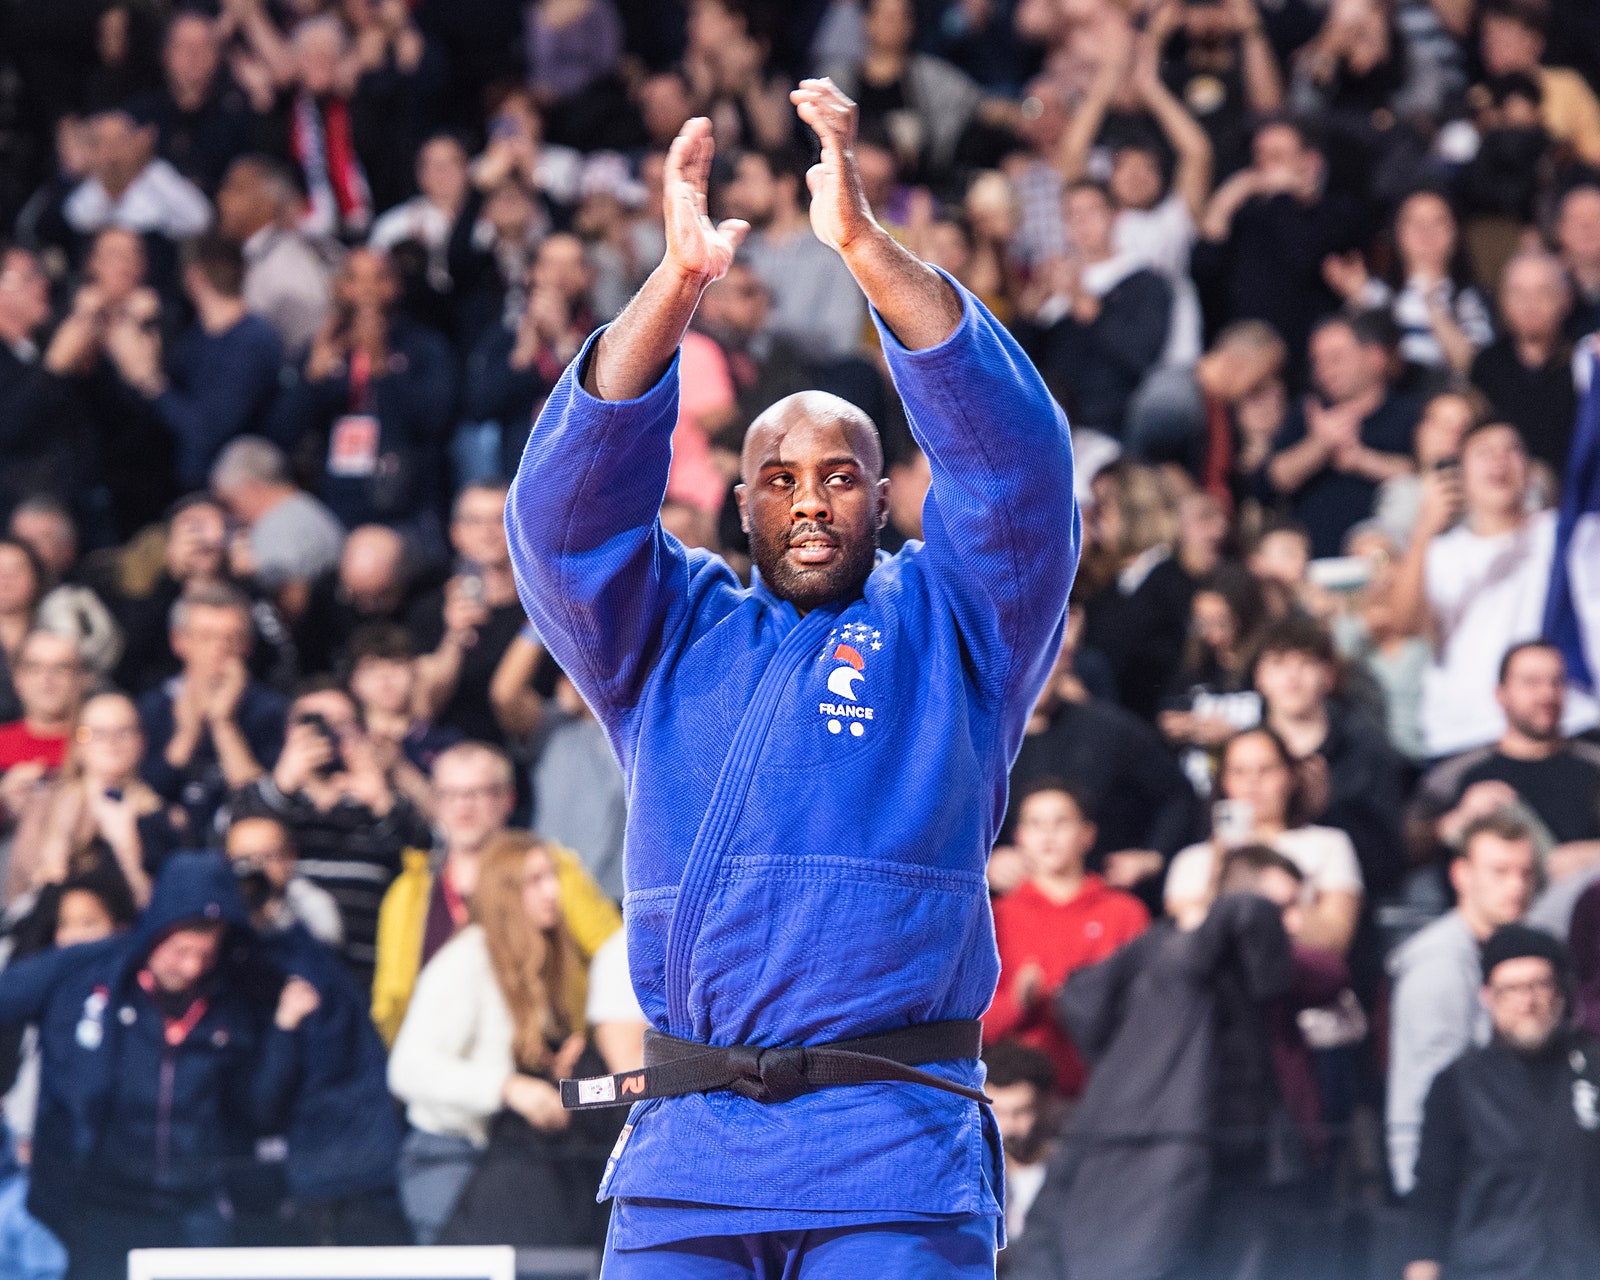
[370, 568]
[1136, 178]
[890, 25]
[478, 528]
[1525, 1002]
[1495, 879]
[263, 843]
[812, 500]
[183, 957]
[442, 173]
[1494, 471]
[739, 302]
[665, 106]
[752, 194]
[1444, 424]
[1016, 1114]
[190, 57]
[368, 281]
[50, 535]
[24, 295]
[48, 677]
[196, 543]
[82, 917]
[1089, 221]
[563, 265]
[1534, 299]
[1533, 692]
[317, 51]
[244, 205]
[116, 263]
[1293, 683]
[1578, 230]
[1508, 47]
[472, 801]
[384, 684]
[1282, 556]
[1343, 367]
[120, 149]
[1277, 152]
[1053, 834]
[110, 741]
[210, 638]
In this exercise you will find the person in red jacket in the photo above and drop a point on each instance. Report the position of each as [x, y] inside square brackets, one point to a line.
[1058, 920]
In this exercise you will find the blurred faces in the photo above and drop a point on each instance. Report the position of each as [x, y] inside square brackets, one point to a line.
[1343, 367]
[1495, 880]
[211, 637]
[110, 741]
[116, 264]
[263, 843]
[384, 685]
[1281, 556]
[1534, 297]
[738, 303]
[1053, 834]
[245, 203]
[1578, 228]
[562, 266]
[1018, 1111]
[119, 148]
[81, 916]
[472, 798]
[318, 48]
[541, 890]
[890, 25]
[1525, 1002]
[1277, 154]
[190, 57]
[19, 583]
[1254, 770]
[1136, 178]
[1425, 232]
[49, 678]
[367, 281]
[24, 295]
[442, 173]
[51, 535]
[371, 568]
[1533, 692]
[752, 193]
[665, 105]
[1213, 621]
[1494, 472]
[1507, 46]
[1294, 683]
[478, 527]
[1089, 220]
[196, 543]
[183, 957]
[1444, 423]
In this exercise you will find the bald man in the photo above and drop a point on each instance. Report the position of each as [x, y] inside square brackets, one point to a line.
[816, 763]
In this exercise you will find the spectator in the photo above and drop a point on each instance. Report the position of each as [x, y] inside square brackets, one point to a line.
[429, 217]
[375, 583]
[222, 375]
[1435, 1012]
[50, 684]
[1058, 920]
[1387, 658]
[1511, 41]
[1578, 242]
[1505, 1131]
[28, 1249]
[1350, 777]
[1266, 233]
[724, 72]
[293, 538]
[130, 186]
[496, 1020]
[211, 728]
[288, 275]
[1143, 807]
[466, 626]
[1436, 446]
[815, 303]
[374, 398]
[570, 47]
[383, 680]
[1136, 620]
[100, 818]
[143, 1164]
[280, 899]
[1527, 372]
[1106, 321]
[202, 121]
[348, 821]
[21, 586]
[1021, 1081]
[1533, 764]
[431, 900]
[1258, 770]
[1341, 443]
[1476, 587]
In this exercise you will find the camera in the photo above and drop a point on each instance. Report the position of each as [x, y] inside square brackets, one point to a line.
[255, 886]
[335, 762]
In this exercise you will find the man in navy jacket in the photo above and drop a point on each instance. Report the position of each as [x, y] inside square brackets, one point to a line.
[162, 1058]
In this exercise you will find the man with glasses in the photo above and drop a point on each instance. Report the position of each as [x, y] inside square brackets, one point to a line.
[1508, 1179]
[430, 900]
[49, 681]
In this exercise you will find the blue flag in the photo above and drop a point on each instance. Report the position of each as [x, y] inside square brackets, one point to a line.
[1572, 607]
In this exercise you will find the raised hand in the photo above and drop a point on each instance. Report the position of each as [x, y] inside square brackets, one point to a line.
[839, 209]
[703, 252]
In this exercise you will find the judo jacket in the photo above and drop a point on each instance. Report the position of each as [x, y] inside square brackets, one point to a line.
[128, 1118]
[811, 800]
[1508, 1178]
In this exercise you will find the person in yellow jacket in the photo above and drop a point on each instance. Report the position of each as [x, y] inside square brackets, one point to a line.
[429, 901]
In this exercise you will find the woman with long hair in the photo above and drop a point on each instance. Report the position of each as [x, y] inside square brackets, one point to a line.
[1260, 804]
[495, 1022]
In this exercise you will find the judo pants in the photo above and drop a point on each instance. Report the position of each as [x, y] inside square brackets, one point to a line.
[959, 1250]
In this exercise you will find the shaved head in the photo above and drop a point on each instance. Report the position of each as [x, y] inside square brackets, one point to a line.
[813, 498]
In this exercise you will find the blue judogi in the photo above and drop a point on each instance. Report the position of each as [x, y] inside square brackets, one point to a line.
[811, 800]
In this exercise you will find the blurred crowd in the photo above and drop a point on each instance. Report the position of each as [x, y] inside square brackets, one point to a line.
[313, 857]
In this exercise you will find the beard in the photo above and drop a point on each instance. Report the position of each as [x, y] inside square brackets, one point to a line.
[1538, 730]
[810, 586]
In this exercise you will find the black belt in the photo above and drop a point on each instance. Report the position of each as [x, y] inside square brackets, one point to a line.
[674, 1067]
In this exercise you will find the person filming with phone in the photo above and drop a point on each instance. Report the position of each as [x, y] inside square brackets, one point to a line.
[341, 811]
[1260, 803]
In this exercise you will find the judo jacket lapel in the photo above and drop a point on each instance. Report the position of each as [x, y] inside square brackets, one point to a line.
[722, 814]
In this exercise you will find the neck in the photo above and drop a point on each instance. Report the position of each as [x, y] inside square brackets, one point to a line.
[1479, 927]
[1365, 400]
[1267, 830]
[1492, 523]
[1521, 746]
[219, 314]
[1534, 350]
[190, 97]
[1302, 733]
[1060, 886]
[499, 584]
[1586, 275]
[48, 727]
[12, 330]
[787, 219]
[883, 66]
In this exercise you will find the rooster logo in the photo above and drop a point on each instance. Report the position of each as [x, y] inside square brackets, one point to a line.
[842, 682]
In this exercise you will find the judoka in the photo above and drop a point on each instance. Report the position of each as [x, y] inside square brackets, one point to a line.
[816, 763]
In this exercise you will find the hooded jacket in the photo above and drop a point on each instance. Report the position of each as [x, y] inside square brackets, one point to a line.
[135, 1111]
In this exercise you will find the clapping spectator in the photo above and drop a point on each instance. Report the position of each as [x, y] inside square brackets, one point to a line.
[202, 121]
[49, 677]
[376, 582]
[211, 728]
[1435, 446]
[724, 69]
[21, 588]
[1578, 242]
[430, 216]
[130, 186]
[1512, 40]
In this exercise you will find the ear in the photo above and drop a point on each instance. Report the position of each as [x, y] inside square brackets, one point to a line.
[883, 504]
[741, 496]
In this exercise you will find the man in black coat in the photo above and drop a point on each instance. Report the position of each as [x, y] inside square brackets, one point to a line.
[1508, 1177]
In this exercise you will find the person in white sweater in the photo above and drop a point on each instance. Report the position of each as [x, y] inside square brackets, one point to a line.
[497, 1018]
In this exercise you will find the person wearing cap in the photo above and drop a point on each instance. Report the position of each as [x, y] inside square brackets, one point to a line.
[162, 1056]
[1508, 1178]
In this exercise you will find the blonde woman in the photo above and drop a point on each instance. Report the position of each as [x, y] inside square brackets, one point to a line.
[101, 813]
[496, 1019]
